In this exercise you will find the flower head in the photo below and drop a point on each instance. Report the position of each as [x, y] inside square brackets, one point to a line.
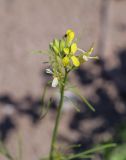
[65, 56]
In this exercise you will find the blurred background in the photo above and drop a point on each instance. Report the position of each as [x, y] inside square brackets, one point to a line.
[27, 25]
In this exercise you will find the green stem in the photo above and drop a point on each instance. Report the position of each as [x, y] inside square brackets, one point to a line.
[54, 136]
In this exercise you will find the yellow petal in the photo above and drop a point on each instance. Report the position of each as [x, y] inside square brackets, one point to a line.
[66, 50]
[70, 37]
[65, 61]
[75, 61]
[68, 31]
[73, 48]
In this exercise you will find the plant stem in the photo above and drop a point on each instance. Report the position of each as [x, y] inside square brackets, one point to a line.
[55, 130]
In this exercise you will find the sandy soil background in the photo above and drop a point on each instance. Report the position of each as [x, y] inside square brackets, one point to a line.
[27, 25]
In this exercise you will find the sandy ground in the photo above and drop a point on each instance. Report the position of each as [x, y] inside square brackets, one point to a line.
[27, 25]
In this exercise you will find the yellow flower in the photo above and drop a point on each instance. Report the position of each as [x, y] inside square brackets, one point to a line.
[63, 57]
[65, 61]
[70, 51]
[75, 61]
[73, 48]
[66, 50]
[70, 36]
[68, 31]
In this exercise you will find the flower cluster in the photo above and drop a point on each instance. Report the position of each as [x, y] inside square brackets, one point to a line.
[66, 56]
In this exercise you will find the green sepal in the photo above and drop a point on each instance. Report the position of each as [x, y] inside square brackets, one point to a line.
[62, 45]
[56, 43]
[90, 50]
[55, 49]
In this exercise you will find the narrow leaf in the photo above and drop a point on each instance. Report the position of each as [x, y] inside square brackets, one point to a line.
[42, 115]
[47, 109]
[79, 156]
[93, 150]
[77, 109]
[83, 99]
[4, 151]
[99, 148]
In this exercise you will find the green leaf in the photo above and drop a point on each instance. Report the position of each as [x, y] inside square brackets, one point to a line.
[47, 109]
[118, 153]
[71, 146]
[42, 102]
[4, 151]
[85, 154]
[76, 108]
[99, 148]
[75, 156]
[83, 99]
[68, 87]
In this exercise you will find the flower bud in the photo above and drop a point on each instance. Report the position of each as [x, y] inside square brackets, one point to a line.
[62, 45]
[66, 50]
[73, 48]
[70, 36]
[65, 61]
[75, 61]
[55, 82]
[56, 43]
